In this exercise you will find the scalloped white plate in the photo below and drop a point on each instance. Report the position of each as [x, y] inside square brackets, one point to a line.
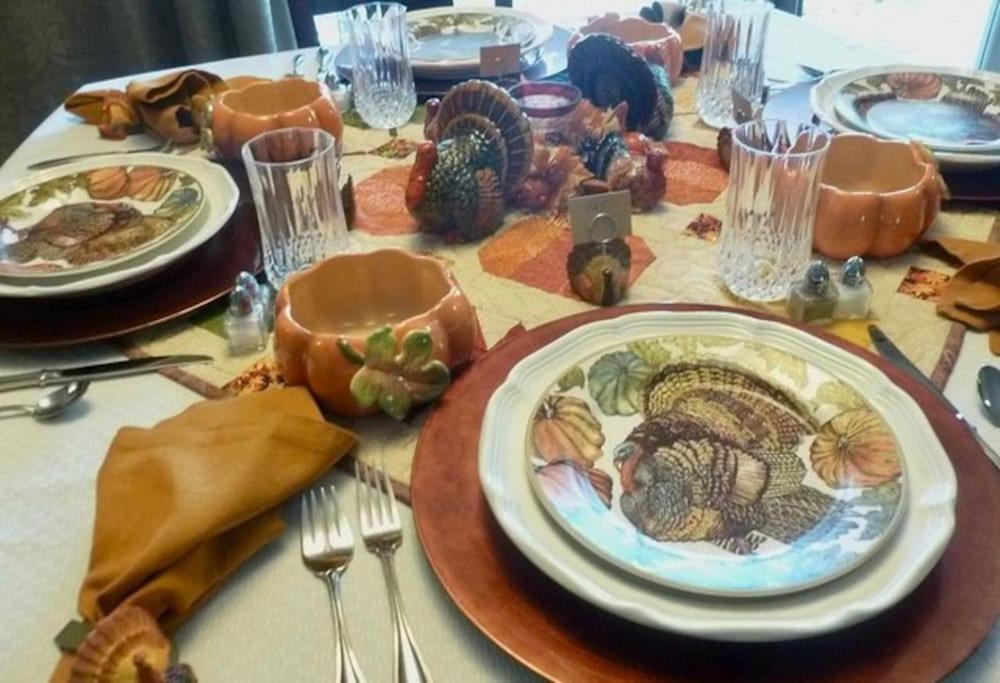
[220, 198]
[926, 524]
[823, 99]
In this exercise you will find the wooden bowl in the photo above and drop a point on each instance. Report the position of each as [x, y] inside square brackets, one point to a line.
[237, 116]
[346, 298]
[656, 43]
[877, 197]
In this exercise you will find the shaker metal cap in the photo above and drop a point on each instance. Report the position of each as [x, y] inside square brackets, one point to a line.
[817, 277]
[241, 302]
[249, 283]
[852, 273]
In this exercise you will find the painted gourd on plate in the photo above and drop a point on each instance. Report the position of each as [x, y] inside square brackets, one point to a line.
[855, 448]
[564, 428]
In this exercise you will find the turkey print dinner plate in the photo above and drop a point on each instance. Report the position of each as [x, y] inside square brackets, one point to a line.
[75, 223]
[715, 464]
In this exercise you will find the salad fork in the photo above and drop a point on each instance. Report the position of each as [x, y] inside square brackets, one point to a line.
[383, 533]
[327, 549]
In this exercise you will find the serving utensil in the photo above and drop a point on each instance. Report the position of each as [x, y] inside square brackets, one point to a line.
[988, 383]
[100, 371]
[892, 354]
[383, 533]
[49, 405]
[164, 147]
[327, 550]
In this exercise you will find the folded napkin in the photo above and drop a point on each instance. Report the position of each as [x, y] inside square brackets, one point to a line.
[972, 296]
[166, 103]
[182, 505]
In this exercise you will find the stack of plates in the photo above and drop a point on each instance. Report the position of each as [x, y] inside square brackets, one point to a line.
[96, 225]
[445, 41]
[954, 112]
[717, 475]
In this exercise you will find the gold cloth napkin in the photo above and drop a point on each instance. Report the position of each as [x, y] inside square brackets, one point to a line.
[166, 103]
[182, 505]
[972, 296]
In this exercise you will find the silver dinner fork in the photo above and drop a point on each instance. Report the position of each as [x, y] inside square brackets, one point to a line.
[383, 533]
[327, 549]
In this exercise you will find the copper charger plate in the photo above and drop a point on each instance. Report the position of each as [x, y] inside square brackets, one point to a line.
[562, 637]
[180, 289]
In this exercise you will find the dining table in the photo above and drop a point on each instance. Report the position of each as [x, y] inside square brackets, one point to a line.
[269, 621]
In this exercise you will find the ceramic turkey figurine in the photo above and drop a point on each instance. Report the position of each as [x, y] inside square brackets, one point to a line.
[478, 153]
[624, 162]
[608, 73]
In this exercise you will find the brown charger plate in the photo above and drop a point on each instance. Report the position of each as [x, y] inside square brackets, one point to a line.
[180, 289]
[562, 637]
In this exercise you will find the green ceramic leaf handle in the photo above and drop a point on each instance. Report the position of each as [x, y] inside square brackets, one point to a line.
[395, 381]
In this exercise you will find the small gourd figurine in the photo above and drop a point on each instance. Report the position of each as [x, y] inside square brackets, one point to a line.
[598, 271]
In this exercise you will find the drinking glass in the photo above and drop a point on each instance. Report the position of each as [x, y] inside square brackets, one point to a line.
[733, 58]
[293, 176]
[774, 181]
[384, 93]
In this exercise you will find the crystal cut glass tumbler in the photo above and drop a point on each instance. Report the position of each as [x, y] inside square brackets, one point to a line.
[774, 181]
[293, 177]
[384, 92]
[733, 59]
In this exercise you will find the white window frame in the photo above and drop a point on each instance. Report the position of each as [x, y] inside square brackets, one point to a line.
[989, 53]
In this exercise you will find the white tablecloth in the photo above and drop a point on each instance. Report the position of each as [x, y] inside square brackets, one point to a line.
[270, 622]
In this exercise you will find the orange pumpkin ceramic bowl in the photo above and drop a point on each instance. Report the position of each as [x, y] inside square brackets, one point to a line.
[876, 198]
[375, 331]
[236, 116]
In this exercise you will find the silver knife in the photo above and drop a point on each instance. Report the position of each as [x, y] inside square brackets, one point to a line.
[892, 354]
[123, 368]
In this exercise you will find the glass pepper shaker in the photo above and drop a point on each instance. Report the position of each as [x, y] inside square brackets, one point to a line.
[814, 297]
[243, 323]
[855, 291]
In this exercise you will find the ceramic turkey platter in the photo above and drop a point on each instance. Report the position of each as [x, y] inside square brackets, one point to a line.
[74, 223]
[715, 465]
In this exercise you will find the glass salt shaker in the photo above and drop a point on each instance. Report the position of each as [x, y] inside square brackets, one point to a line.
[263, 298]
[814, 297]
[243, 323]
[855, 291]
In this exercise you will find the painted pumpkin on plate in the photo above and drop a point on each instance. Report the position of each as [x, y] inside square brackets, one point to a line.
[564, 428]
[855, 448]
[107, 183]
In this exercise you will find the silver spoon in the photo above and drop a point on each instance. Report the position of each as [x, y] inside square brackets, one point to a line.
[989, 391]
[49, 405]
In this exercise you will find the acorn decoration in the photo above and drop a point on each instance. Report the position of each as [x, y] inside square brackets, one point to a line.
[608, 72]
[598, 271]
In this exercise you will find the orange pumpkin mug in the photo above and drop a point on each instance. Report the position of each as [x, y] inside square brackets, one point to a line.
[236, 116]
[375, 331]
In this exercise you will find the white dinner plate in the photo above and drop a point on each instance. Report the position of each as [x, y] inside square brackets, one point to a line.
[715, 465]
[220, 194]
[925, 527]
[445, 41]
[823, 99]
[59, 224]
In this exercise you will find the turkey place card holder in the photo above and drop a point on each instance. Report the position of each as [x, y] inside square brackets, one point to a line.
[598, 265]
